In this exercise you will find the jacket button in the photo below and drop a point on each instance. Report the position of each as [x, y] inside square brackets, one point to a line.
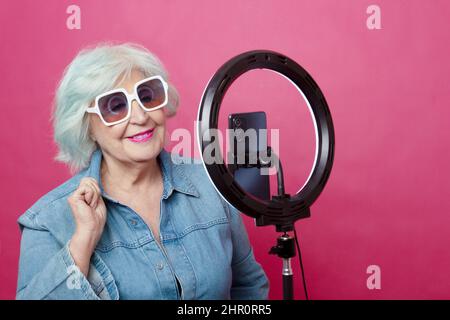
[160, 265]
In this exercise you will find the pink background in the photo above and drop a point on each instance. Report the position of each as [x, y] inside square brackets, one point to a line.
[388, 198]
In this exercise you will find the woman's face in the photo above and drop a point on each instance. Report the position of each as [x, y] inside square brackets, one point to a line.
[115, 140]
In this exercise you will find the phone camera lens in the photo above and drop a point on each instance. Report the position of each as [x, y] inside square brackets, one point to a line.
[237, 122]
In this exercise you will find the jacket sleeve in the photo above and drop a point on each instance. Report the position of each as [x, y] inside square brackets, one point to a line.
[48, 271]
[249, 279]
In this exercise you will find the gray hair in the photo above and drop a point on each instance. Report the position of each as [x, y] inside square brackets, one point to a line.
[93, 71]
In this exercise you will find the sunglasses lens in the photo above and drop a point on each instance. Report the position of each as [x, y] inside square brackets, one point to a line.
[151, 93]
[113, 107]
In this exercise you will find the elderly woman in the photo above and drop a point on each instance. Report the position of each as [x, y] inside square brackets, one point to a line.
[132, 223]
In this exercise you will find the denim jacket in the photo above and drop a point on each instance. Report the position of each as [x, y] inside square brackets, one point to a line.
[204, 252]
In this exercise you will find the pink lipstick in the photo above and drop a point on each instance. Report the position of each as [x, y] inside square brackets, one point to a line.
[142, 136]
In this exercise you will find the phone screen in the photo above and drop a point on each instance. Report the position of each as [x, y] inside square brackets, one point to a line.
[250, 179]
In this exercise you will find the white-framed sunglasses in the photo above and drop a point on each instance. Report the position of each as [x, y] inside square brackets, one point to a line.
[114, 106]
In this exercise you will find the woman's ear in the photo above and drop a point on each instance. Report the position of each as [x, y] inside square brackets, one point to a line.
[91, 136]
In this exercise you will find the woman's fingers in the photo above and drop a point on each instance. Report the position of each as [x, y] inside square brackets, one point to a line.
[88, 193]
[96, 189]
[78, 201]
[95, 184]
[88, 208]
[82, 192]
[93, 202]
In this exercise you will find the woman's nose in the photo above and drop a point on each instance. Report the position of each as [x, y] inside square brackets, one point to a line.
[138, 115]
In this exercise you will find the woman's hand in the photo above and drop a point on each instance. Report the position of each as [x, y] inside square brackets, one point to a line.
[89, 212]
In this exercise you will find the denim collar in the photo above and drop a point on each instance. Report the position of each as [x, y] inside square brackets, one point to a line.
[174, 176]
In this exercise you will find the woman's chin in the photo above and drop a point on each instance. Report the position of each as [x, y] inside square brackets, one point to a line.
[142, 151]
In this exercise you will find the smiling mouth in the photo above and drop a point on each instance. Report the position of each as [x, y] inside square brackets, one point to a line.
[142, 136]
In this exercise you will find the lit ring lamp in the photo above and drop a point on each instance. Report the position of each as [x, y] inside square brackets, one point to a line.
[279, 211]
[283, 209]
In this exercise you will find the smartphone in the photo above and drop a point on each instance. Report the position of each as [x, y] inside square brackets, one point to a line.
[250, 179]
